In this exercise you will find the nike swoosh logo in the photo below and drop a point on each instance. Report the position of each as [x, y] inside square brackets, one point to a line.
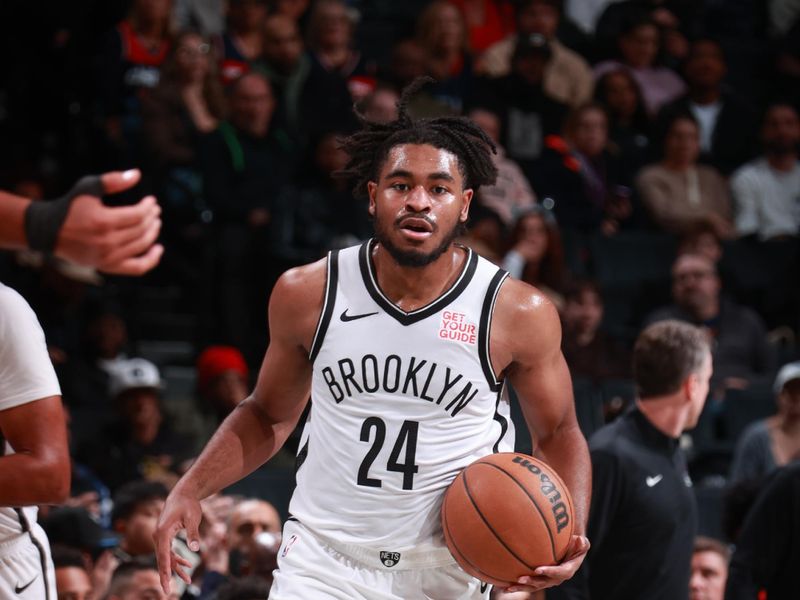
[21, 588]
[345, 317]
[651, 481]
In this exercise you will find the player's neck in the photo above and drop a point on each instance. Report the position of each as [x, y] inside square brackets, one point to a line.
[410, 288]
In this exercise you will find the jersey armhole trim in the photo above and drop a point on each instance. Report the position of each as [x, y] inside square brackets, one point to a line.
[485, 326]
[327, 305]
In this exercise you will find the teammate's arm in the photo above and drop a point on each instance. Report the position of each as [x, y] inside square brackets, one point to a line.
[39, 470]
[119, 240]
[259, 426]
[526, 337]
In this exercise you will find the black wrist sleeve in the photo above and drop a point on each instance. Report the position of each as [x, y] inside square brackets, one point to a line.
[44, 218]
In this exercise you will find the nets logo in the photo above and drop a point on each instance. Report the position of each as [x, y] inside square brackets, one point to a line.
[390, 559]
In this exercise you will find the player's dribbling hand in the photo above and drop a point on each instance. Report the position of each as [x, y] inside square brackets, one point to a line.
[545, 577]
[180, 512]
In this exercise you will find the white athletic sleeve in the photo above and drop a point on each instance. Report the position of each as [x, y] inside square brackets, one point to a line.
[26, 373]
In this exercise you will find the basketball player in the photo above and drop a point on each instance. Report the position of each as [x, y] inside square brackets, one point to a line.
[405, 345]
[79, 228]
[34, 458]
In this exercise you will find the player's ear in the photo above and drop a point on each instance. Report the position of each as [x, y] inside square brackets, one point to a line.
[466, 197]
[372, 188]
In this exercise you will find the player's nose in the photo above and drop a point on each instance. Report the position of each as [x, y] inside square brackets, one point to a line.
[418, 199]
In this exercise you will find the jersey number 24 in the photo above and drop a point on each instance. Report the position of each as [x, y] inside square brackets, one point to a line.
[407, 438]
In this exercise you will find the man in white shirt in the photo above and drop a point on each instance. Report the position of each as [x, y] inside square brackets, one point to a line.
[34, 457]
[766, 191]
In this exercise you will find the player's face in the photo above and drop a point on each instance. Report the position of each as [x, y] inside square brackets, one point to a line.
[418, 203]
[709, 573]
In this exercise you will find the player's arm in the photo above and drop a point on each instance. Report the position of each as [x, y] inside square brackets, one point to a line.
[80, 228]
[39, 470]
[260, 425]
[526, 336]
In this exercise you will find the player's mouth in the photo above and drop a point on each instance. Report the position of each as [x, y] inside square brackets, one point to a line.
[416, 228]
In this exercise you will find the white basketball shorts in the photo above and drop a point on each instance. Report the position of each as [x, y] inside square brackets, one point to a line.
[26, 570]
[308, 567]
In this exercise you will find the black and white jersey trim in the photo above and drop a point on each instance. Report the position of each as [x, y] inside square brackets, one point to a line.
[328, 304]
[485, 327]
[409, 318]
[500, 419]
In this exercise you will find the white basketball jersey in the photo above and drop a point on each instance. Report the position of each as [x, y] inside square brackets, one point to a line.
[401, 402]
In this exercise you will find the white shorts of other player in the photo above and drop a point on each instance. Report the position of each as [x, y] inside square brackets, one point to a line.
[26, 570]
[310, 568]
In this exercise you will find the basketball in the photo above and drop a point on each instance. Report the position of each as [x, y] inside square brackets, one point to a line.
[505, 515]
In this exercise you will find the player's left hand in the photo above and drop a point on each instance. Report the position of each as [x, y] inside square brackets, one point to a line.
[546, 577]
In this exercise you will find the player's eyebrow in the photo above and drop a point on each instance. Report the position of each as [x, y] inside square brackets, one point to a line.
[441, 175]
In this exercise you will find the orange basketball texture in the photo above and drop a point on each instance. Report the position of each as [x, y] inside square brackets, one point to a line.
[506, 514]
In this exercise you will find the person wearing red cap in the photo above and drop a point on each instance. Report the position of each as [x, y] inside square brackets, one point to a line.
[222, 383]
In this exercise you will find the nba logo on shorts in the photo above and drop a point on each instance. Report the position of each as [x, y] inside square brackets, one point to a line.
[390, 559]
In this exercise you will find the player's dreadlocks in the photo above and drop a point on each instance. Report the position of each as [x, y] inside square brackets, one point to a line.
[369, 147]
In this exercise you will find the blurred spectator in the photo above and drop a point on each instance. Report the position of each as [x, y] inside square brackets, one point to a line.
[73, 527]
[205, 16]
[331, 29]
[703, 240]
[72, 578]
[536, 255]
[318, 212]
[129, 62]
[740, 348]
[709, 569]
[486, 233]
[590, 352]
[291, 9]
[527, 111]
[487, 21]
[244, 588]
[380, 106]
[581, 176]
[442, 34]
[629, 125]
[407, 62]
[638, 52]
[765, 191]
[222, 383]
[250, 518]
[309, 98]
[142, 444]
[242, 43]
[677, 20]
[245, 164]
[567, 76]
[136, 580]
[586, 13]
[511, 195]
[678, 193]
[187, 104]
[774, 442]
[137, 507]
[727, 122]
[767, 553]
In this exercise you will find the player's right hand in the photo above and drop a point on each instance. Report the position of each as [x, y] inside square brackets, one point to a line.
[181, 512]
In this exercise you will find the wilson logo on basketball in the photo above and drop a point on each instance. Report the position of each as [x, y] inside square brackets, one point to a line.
[560, 513]
[390, 559]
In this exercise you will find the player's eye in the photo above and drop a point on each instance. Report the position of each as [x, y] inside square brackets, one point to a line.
[438, 189]
[400, 187]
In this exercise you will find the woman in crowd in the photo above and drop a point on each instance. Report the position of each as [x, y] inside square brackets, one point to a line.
[443, 36]
[680, 194]
[629, 127]
[187, 104]
[536, 254]
[639, 46]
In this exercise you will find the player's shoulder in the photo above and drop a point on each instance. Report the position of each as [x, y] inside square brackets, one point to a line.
[523, 306]
[301, 285]
[13, 307]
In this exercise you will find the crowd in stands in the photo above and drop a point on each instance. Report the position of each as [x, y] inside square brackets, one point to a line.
[648, 166]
